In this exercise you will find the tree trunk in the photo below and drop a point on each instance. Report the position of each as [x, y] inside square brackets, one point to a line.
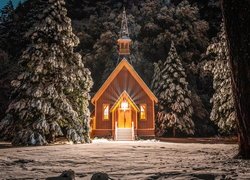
[237, 22]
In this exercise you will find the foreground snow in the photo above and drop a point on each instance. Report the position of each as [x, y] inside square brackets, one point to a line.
[125, 160]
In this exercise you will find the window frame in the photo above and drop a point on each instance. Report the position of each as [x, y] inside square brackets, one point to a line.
[145, 112]
[105, 117]
[126, 46]
[122, 45]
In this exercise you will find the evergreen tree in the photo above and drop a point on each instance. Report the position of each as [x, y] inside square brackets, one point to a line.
[51, 94]
[7, 12]
[152, 25]
[157, 78]
[170, 86]
[6, 24]
[223, 113]
[105, 55]
[19, 4]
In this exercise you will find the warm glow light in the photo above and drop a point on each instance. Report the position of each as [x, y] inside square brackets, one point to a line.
[143, 111]
[106, 112]
[124, 105]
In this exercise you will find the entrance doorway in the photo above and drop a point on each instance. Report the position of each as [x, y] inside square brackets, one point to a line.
[124, 118]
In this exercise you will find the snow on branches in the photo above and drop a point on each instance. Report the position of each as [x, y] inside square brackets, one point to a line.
[51, 94]
[223, 113]
[170, 85]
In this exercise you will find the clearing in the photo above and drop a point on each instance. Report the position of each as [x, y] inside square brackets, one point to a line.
[125, 160]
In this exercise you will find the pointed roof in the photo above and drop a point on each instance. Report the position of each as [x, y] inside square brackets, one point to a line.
[124, 94]
[120, 66]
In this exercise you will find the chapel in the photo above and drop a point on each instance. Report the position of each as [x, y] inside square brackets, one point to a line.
[124, 105]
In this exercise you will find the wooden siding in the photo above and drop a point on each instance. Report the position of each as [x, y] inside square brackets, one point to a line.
[124, 64]
[124, 81]
[100, 122]
[102, 133]
[145, 132]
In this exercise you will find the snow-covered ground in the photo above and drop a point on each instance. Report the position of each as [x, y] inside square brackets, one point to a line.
[125, 160]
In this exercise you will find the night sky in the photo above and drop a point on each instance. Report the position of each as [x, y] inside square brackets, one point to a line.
[4, 2]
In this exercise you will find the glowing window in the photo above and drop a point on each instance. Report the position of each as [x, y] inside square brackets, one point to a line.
[105, 111]
[143, 109]
[124, 105]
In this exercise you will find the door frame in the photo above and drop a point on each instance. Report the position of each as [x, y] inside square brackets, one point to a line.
[126, 114]
[114, 113]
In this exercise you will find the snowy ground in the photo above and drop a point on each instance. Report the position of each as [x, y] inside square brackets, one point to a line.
[125, 160]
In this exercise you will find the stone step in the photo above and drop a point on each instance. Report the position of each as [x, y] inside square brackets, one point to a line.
[124, 134]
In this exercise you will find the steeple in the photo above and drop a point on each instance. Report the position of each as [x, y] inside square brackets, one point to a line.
[124, 26]
[124, 41]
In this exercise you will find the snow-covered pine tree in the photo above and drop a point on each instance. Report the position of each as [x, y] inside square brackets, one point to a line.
[223, 113]
[157, 78]
[174, 107]
[51, 94]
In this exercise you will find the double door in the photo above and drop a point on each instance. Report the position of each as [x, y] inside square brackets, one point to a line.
[124, 119]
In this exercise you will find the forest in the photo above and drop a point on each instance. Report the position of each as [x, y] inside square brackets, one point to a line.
[179, 48]
[195, 28]
[192, 59]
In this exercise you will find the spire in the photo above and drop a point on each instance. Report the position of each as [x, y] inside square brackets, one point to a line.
[124, 41]
[124, 26]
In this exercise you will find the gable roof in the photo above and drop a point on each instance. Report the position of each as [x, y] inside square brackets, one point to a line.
[124, 94]
[124, 63]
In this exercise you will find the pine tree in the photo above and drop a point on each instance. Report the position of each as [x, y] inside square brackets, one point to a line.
[7, 12]
[157, 77]
[6, 24]
[105, 57]
[19, 4]
[223, 113]
[51, 94]
[170, 85]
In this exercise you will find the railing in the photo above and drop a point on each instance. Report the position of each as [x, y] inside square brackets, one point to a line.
[133, 131]
[116, 130]
[121, 132]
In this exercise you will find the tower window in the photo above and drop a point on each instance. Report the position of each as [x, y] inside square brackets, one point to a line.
[122, 46]
[143, 110]
[105, 111]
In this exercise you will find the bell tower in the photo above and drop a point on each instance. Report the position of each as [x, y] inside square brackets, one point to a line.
[124, 41]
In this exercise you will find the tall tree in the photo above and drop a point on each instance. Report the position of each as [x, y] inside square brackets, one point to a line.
[51, 94]
[223, 113]
[170, 86]
[237, 17]
[7, 12]
[6, 24]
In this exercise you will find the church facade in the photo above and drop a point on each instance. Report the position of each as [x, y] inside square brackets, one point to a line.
[124, 105]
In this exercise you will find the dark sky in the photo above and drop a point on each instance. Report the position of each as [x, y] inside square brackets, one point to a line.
[4, 2]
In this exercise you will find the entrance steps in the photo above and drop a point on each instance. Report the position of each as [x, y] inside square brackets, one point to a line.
[124, 134]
